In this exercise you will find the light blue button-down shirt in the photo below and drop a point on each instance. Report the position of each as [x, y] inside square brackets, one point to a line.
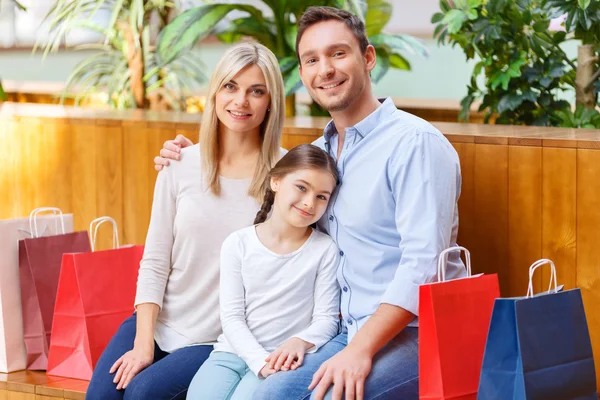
[394, 211]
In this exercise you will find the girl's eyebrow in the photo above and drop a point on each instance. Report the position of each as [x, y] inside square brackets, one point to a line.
[309, 185]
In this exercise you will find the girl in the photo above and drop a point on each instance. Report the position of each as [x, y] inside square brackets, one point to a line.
[213, 191]
[279, 295]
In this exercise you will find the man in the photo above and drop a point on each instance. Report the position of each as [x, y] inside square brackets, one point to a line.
[393, 213]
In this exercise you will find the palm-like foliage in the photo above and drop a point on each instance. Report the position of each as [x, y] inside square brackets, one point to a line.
[125, 64]
[3, 95]
[278, 32]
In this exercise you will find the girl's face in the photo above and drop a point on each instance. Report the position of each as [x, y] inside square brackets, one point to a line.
[302, 196]
[242, 103]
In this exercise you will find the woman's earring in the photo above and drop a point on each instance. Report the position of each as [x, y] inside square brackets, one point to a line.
[268, 109]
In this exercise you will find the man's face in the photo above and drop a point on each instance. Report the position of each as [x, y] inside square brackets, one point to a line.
[332, 67]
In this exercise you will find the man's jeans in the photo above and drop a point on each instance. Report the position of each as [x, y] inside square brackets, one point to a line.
[394, 374]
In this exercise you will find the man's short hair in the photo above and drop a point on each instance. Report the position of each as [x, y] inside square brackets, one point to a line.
[314, 15]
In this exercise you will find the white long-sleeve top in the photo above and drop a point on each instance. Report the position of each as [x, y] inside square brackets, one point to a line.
[180, 267]
[268, 298]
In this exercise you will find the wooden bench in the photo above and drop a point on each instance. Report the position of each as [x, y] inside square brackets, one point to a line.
[34, 385]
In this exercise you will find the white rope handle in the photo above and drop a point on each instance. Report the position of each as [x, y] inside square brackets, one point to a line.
[94, 231]
[33, 220]
[535, 266]
[443, 260]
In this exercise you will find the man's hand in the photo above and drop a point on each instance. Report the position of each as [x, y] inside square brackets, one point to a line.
[346, 371]
[289, 355]
[130, 364]
[170, 151]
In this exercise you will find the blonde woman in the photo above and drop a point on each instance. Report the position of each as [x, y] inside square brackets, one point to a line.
[214, 189]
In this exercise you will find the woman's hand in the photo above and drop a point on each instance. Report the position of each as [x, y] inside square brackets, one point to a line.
[289, 355]
[130, 364]
[170, 151]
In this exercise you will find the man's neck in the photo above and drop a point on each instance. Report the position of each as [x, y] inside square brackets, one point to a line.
[352, 115]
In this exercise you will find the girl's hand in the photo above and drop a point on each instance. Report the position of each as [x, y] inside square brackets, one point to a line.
[266, 371]
[289, 355]
[130, 364]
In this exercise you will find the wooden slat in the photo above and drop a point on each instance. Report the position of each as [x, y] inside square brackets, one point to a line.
[559, 207]
[138, 179]
[466, 202]
[524, 218]
[9, 136]
[588, 250]
[84, 185]
[20, 396]
[109, 177]
[490, 249]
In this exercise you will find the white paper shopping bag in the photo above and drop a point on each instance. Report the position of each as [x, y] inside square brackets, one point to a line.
[12, 345]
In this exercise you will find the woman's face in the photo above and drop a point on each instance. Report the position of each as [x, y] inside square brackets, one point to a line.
[241, 104]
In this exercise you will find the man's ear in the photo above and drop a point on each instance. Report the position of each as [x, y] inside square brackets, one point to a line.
[370, 58]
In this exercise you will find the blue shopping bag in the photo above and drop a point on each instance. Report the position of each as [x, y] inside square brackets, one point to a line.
[538, 347]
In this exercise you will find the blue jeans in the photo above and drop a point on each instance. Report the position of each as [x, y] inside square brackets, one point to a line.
[167, 378]
[394, 374]
[224, 376]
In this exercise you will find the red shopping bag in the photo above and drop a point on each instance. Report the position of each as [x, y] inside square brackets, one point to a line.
[454, 317]
[96, 293]
[39, 268]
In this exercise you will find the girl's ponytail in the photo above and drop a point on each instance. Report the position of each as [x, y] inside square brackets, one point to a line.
[261, 216]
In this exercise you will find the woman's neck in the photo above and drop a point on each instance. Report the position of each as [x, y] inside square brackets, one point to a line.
[238, 153]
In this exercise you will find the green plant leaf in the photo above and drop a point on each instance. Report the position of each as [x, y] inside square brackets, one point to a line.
[454, 19]
[3, 95]
[509, 102]
[378, 15]
[292, 82]
[584, 4]
[382, 65]
[399, 62]
[188, 28]
[399, 42]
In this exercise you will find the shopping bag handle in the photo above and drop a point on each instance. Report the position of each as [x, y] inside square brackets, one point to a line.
[94, 231]
[535, 266]
[33, 220]
[443, 260]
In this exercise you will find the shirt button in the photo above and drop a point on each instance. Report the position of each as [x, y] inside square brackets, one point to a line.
[341, 253]
[350, 321]
[331, 217]
[345, 288]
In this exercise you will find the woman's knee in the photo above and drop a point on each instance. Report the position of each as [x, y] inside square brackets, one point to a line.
[103, 388]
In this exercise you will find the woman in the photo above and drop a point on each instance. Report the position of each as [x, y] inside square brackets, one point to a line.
[214, 190]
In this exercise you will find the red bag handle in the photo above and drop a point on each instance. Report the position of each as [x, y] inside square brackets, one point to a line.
[94, 231]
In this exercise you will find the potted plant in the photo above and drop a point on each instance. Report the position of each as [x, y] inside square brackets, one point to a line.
[277, 31]
[125, 66]
[523, 74]
[3, 95]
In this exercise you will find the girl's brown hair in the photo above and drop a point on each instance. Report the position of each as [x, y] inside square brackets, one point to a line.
[305, 156]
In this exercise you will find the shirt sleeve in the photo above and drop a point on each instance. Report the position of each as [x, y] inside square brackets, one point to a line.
[326, 313]
[233, 307]
[425, 184]
[155, 266]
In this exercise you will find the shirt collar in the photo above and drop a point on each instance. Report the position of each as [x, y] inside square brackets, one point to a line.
[367, 125]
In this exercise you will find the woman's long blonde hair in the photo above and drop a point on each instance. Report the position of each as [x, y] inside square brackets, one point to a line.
[231, 63]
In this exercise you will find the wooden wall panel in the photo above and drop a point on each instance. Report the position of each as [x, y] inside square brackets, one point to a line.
[588, 249]
[11, 194]
[466, 201]
[490, 248]
[84, 184]
[109, 177]
[559, 207]
[524, 218]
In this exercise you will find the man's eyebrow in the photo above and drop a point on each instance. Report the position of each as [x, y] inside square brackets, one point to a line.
[327, 49]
